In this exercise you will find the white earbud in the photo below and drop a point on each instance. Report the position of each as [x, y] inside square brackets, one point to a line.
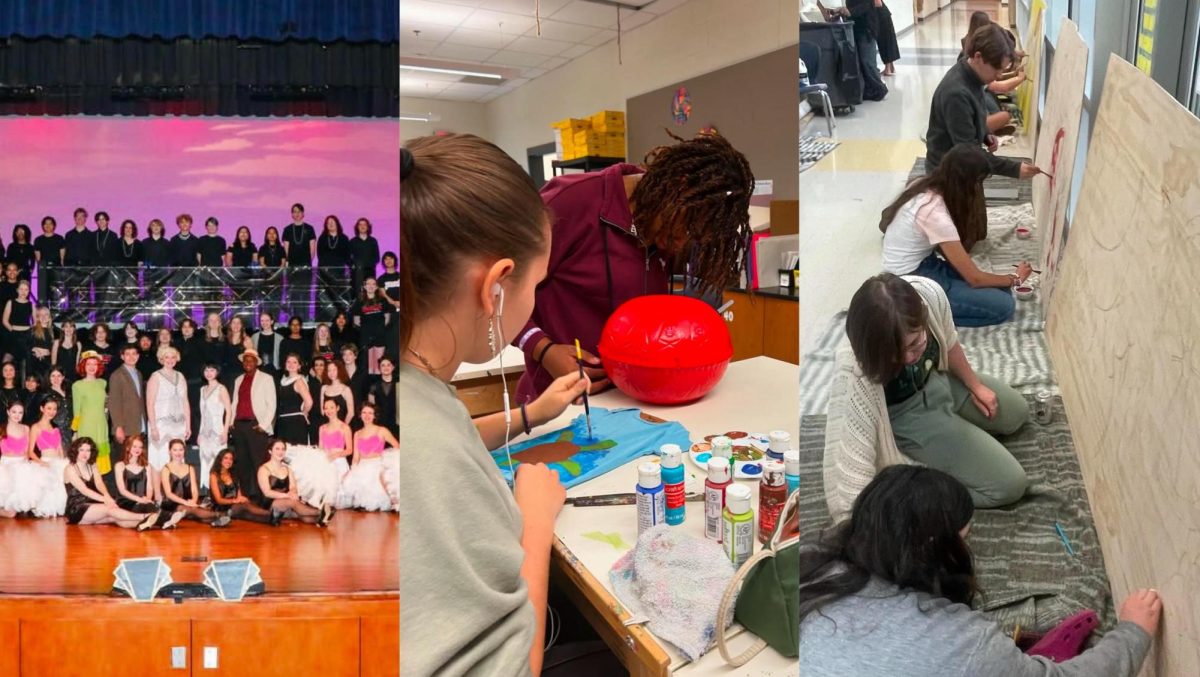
[497, 290]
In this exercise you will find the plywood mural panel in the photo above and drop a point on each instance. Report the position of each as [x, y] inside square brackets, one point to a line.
[1056, 150]
[1124, 333]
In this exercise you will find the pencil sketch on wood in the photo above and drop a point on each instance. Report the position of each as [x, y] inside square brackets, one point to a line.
[1124, 334]
[1056, 150]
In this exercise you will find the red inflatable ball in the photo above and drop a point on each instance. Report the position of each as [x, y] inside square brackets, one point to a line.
[665, 349]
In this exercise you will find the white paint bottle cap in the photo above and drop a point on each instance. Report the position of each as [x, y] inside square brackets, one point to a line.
[781, 441]
[649, 475]
[737, 499]
[718, 471]
[670, 454]
[791, 461]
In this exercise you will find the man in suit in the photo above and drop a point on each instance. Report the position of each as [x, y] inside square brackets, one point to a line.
[253, 421]
[126, 405]
[127, 396]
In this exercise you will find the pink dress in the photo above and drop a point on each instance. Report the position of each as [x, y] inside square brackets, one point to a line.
[53, 501]
[318, 480]
[365, 487]
[22, 482]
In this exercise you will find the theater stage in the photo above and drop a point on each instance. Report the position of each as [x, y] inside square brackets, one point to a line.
[331, 602]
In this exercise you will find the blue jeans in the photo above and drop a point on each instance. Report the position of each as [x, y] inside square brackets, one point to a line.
[971, 306]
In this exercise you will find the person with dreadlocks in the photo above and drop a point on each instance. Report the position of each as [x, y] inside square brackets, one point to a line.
[617, 234]
[944, 213]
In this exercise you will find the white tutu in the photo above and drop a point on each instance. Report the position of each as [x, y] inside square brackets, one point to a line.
[391, 476]
[24, 484]
[317, 478]
[53, 502]
[366, 486]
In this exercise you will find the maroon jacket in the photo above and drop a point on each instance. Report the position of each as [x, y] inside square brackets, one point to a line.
[596, 264]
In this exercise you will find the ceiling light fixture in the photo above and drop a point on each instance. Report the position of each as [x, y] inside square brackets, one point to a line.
[451, 71]
[415, 118]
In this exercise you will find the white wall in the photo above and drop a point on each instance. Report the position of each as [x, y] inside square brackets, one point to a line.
[456, 116]
[903, 13]
[697, 38]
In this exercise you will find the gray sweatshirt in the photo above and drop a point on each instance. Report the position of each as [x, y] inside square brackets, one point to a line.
[882, 631]
[464, 608]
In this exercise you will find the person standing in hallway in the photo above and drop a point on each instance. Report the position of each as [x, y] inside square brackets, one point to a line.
[866, 33]
[959, 113]
[889, 46]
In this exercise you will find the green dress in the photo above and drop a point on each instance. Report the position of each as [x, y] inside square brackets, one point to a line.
[90, 402]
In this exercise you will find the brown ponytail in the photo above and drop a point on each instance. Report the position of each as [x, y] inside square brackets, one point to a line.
[461, 198]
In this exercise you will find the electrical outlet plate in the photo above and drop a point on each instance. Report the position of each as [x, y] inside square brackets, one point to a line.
[179, 658]
[210, 657]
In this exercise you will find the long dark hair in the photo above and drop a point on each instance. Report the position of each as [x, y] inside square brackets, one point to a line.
[959, 180]
[699, 191]
[904, 529]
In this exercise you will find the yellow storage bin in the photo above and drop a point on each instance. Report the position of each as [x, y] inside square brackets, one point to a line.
[572, 125]
[608, 121]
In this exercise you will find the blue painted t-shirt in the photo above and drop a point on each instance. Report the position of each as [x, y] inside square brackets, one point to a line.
[618, 437]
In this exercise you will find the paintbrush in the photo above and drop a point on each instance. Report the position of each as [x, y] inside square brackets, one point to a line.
[587, 407]
[617, 499]
[1040, 170]
[1063, 535]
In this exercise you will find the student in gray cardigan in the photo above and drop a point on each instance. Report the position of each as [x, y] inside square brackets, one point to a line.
[959, 113]
[888, 593]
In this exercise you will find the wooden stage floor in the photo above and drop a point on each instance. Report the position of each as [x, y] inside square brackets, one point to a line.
[358, 553]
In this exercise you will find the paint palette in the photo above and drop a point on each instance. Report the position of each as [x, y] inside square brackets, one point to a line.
[749, 450]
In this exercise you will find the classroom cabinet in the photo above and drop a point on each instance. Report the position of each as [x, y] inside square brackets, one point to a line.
[265, 647]
[764, 325]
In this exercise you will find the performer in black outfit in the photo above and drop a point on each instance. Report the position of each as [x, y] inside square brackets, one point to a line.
[18, 322]
[212, 246]
[184, 247]
[299, 247]
[371, 315]
[227, 494]
[49, 249]
[80, 246]
[20, 251]
[382, 394]
[333, 253]
[271, 254]
[241, 253]
[364, 252]
[156, 252]
[133, 475]
[293, 404]
[390, 283]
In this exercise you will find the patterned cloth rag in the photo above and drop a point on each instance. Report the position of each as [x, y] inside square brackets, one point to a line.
[676, 581]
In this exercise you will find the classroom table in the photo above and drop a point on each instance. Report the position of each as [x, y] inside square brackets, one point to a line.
[756, 395]
[514, 363]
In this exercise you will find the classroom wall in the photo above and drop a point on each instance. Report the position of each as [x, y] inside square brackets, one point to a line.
[697, 38]
[455, 116]
[746, 102]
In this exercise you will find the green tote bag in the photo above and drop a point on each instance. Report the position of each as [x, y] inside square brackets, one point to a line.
[768, 603]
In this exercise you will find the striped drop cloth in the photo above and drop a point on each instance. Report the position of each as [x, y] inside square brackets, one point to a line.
[1015, 351]
[1024, 570]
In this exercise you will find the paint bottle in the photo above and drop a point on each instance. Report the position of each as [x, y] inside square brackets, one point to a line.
[714, 499]
[772, 495]
[723, 447]
[780, 441]
[672, 476]
[650, 497]
[791, 469]
[737, 525]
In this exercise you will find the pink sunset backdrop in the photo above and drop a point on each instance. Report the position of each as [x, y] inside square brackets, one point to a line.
[244, 171]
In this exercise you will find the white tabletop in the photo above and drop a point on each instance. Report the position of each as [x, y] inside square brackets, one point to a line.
[756, 395]
[514, 363]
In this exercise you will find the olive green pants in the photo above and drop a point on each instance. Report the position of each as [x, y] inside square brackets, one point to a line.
[942, 428]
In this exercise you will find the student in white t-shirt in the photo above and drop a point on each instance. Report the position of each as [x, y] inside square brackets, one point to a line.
[930, 229]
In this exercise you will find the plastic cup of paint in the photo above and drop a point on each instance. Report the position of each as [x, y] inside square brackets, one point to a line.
[1024, 233]
[1024, 292]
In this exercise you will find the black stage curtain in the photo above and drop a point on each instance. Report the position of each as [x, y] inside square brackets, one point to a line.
[214, 76]
[324, 20]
